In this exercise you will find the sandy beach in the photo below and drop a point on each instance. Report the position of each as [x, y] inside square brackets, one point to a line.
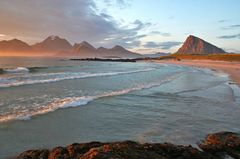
[231, 68]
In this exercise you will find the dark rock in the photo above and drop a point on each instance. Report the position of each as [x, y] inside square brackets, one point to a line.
[215, 146]
[171, 151]
[59, 153]
[105, 60]
[121, 150]
[76, 150]
[1, 71]
[222, 142]
[34, 154]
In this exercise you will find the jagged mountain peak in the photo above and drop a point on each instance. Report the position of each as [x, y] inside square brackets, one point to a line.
[54, 38]
[83, 45]
[53, 43]
[118, 47]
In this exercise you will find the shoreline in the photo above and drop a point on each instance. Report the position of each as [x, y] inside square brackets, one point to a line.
[230, 68]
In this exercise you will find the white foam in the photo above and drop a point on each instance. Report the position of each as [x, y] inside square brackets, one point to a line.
[214, 72]
[79, 101]
[165, 65]
[55, 77]
[236, 91]
[17, 70]
[220, 74]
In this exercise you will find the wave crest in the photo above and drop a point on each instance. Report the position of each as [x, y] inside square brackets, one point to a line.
[16, 70]
[55, 77]
[79, 101]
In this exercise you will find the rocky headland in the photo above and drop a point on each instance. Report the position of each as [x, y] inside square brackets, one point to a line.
[195, 45]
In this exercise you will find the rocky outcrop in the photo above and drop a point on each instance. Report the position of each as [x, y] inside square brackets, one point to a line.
[222, 143]
[215, 146]
[195, 45]
[34, 154]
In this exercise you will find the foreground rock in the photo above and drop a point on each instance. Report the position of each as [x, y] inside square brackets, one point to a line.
[222, 142]
[215, 146]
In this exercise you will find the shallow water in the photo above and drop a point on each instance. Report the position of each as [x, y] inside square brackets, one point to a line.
[50, 102]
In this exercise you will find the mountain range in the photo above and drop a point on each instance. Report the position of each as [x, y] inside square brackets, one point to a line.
[59, 47]
[86, 50]
[56, 46]
[14, 45]
[53, 44]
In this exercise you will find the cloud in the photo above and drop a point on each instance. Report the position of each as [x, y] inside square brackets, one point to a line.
[171, 17]
[163, 45]
[127, 36]
[231, 26]
[161, 33]
[75, 20]
[169, 44]
[223, 20]
[235, 26]
[232, 50]
[122, 4]
[43, 18]
[229, 36]
[151, 45]
[2, 35]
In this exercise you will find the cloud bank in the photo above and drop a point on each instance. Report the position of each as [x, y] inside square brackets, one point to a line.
[75, 20]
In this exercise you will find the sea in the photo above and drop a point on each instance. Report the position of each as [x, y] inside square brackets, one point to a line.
[49, 102]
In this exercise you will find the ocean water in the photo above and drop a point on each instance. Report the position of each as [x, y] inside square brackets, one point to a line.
[50, 102]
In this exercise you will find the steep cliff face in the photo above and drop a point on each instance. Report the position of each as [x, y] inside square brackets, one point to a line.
[195, 45]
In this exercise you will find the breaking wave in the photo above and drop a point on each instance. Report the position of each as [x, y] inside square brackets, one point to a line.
[55, 77]
[24, 69]
[16, 70]
[78, 101]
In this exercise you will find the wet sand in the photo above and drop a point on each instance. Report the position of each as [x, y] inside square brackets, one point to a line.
[231, 68]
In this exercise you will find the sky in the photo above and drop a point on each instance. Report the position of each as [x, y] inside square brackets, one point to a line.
[144, 26]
